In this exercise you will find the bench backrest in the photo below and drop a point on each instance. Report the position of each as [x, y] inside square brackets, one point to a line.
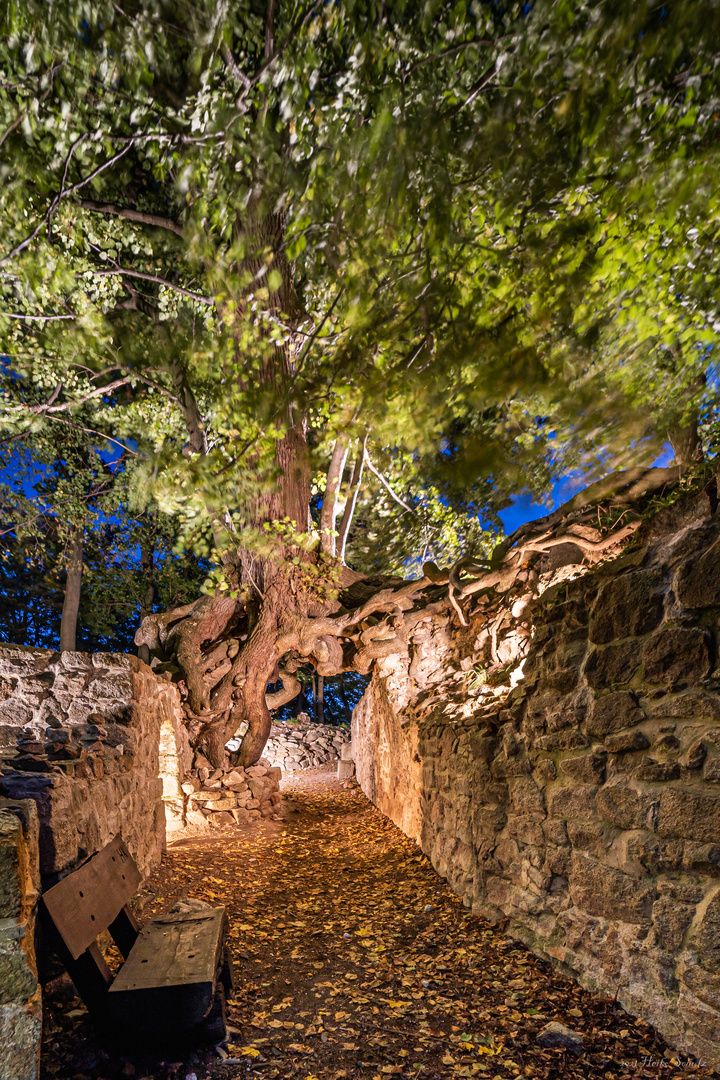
[84, 903]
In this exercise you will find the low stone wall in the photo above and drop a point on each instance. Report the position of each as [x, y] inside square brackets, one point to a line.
[98, 743]
[20, 1006]
[583, 805]
[305, 745]
[231, 795]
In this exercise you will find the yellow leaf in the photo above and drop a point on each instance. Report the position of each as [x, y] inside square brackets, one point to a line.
[275, 1023]
[249, 1051]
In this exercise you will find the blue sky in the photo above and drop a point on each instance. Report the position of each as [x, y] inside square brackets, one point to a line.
[524, 509]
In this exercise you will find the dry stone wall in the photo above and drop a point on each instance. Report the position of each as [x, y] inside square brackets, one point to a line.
[97, 742]
[304, 745]
[584, 804]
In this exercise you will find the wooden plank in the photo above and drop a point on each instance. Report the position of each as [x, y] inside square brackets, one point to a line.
[84, 903]
[174, 950]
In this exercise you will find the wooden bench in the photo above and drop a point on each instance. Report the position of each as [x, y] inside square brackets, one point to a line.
[177, 969]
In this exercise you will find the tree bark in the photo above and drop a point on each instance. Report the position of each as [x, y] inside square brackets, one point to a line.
[71, 603]
[147, 565]
[321, 699]
[328, 513]
[351, 500]
[343, 695]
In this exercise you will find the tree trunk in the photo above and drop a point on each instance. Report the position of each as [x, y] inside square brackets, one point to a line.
[71, 603]
[343, 695]
[351, 500]
[321, 699]
[146, 604]
[328, 513]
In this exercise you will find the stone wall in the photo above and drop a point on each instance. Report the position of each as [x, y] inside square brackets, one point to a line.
[303, 745]
[20, 1007]
[584, 804]
[98, 743]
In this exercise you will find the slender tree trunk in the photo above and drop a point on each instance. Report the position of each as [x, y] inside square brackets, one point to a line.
[71, 603]
[298, 704]
[351, 501]
[343, 695]
[321, 699]
[328, 514]
[146, 604]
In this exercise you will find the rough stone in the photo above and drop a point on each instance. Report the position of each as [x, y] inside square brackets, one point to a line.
[676, 654]
[687, 814]
[588, 769]
[626, 740]
[628, 606]
[613, 712]
[555, 1035]
[657, 771]
[611, 665]
[602, 890]
[698, 582]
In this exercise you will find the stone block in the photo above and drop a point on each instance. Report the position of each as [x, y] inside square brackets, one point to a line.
[705, 941]
[627, 607]
[676, 654]
[689, 814]
[653, 854]
[626, 806]
[625, 741]
[588, 769]
[603, 890]
[573, 803]
[345, 770]
[690, 706]
[656, 771]
[698, 583]
[346, 752]
[613, 712]
[612, 665]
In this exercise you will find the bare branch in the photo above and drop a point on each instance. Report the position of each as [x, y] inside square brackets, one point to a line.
[121, 271]
[382, 479]
[133, 215]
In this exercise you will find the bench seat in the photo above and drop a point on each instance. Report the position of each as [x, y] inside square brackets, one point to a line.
[171, 972]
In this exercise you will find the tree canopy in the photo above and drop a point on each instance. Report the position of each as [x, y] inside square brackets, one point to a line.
[326, 283]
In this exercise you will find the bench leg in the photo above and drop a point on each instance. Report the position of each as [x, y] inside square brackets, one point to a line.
[213, 1029]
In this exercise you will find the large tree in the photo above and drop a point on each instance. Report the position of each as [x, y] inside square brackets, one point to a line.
[284, 250]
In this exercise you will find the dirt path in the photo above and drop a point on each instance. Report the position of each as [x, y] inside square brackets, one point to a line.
[355, 960]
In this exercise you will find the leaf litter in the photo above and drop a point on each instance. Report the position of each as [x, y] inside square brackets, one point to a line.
[355, 960]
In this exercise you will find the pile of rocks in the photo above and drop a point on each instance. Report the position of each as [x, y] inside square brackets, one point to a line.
[305, 745]
[231, 795]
